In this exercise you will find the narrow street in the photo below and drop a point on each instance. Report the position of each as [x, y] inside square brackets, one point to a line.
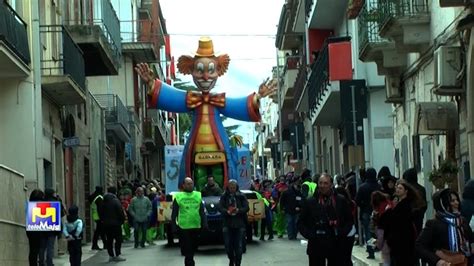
[274, 252]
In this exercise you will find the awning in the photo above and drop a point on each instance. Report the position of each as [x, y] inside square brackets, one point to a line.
[435, 118]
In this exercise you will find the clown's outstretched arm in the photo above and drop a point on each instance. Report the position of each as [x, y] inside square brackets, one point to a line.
[248, 108]
[161, 95]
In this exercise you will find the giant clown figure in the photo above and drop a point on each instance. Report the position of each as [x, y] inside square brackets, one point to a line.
[207, 150]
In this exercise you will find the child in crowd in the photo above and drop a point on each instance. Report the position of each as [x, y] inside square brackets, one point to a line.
[72, 230]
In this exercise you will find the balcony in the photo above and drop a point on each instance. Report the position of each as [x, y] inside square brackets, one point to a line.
[406, 22]
[62, 66]
[332, 65]
[99, 39]
[288, 35]
[162, 131]
[140, 40]
[14, 50]
[148, 134]
[372, 47]
[116, 115]
[290, 71]
[326, 14]
[299, 88]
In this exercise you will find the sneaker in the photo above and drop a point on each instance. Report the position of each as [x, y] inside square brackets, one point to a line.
[142, 245]
[96, 248]
[270, 237]
[111, 259]
[118, 258]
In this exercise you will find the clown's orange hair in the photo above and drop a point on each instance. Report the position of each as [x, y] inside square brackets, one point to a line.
[186, 64]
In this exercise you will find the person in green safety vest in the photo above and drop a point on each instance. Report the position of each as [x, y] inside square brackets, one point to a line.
[188, 215]
[308, 187]
[267, 222]
[95, 200]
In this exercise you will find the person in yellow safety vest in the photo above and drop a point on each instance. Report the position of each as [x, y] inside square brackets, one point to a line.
[95, 200]
[308, 188]
[267, 222]
[188, 215]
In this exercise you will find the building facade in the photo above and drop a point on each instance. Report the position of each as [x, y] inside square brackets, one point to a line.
[410, 66]
[72, 109]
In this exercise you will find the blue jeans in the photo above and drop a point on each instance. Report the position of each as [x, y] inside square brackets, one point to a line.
[365, 220]
[47, 245]
[291, 227]
[233, 238]
[139, 233]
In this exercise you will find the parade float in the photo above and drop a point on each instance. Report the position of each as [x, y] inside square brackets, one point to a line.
[208, 151]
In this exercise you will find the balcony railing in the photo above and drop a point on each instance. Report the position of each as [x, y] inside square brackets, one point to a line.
[307, 7]
[61, 55]
[148, 132]
[115, 111]
[369, 26]
[104, 16]
[388, 9]
[319, 77]
[300, 83]
[141, 31]
[13, 31]
[158, 119]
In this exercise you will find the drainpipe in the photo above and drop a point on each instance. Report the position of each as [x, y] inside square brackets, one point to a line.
[37, 101]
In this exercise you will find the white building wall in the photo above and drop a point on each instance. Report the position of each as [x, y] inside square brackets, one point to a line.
[16, 116]
[380, 120]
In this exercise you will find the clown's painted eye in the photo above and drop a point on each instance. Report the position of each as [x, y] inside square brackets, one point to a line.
[211, 68]
[200, 67]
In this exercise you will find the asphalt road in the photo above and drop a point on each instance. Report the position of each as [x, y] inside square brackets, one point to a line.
[274, 252]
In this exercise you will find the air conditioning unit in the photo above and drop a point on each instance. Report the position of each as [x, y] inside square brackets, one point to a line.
[394, 92]
[452, 3]
[447, 65]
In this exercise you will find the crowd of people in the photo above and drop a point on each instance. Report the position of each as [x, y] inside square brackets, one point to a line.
[384, 213]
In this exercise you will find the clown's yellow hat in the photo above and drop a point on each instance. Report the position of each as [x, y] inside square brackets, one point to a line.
[206, 48]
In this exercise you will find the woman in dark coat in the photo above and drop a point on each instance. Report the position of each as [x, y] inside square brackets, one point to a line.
[234, 206]
[35, 237]
[398, 225]
[447, 231]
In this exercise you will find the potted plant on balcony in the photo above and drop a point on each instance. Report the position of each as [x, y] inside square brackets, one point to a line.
[446, 173]
[354, 8]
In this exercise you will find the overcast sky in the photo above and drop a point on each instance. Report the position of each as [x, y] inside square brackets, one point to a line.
[244, 29]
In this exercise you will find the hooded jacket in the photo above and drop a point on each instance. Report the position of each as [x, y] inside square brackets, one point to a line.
[411, 177]
[111, 212]
[74, 226]
[237, 200]
[364, 193]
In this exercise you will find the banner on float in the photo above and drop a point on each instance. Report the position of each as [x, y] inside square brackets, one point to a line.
[243, 167]
[173, 155]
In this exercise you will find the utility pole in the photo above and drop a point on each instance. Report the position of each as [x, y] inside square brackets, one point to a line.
[262, 129]
[177, 129]
[280, 120]
[354, 153]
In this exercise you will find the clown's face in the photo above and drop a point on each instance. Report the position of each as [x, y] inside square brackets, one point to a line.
[205, 73]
